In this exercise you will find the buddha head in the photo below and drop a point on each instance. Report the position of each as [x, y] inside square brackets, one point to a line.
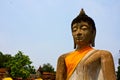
[83, 30]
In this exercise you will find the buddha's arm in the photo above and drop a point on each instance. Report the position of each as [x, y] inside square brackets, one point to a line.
[61, 68]
[107, 65]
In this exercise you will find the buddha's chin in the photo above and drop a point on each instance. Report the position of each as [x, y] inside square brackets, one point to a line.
[80, 42]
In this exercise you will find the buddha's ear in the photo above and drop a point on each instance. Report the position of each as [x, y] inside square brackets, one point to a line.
[74, 43]
[93, 38]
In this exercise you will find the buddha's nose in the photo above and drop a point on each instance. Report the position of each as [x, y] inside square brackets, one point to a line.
[79, 32]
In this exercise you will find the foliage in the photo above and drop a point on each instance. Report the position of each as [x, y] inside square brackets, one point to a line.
[118, 72]
[3, 59]
[19, 66]
[47, 68]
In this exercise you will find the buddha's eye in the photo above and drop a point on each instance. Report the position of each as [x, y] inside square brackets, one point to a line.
[84, 27]
[74, 29]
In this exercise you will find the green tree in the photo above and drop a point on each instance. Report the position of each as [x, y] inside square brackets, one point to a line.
[19, 66]
[118, 72]
[47, 68]
[3, 59]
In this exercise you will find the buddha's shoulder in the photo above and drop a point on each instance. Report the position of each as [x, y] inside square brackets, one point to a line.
[63, 56]
[105, 52]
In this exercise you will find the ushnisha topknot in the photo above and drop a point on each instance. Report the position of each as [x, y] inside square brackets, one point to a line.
[84, 17]
[82, 12]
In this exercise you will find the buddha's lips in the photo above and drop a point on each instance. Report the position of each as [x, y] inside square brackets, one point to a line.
[79, 38]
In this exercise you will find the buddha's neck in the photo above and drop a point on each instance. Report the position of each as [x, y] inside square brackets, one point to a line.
[82, 47]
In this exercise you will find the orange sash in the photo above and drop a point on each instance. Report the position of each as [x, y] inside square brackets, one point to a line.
[74, 58]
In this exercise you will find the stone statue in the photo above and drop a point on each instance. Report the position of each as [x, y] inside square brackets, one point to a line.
[85, 62]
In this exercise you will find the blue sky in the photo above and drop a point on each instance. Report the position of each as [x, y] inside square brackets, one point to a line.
[41, 28]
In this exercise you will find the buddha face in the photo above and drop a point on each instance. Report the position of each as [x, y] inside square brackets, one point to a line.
[82, 33]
